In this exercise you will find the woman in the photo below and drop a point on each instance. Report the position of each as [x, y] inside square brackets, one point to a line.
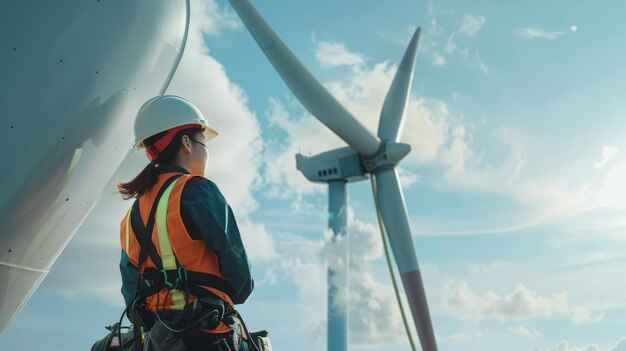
[183, 263]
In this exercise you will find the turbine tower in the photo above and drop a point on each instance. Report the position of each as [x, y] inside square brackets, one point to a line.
[366, 155]
[336, 168]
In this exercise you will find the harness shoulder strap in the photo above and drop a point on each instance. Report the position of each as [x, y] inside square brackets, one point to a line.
[167, 254]
[143, 234]
[165, 246]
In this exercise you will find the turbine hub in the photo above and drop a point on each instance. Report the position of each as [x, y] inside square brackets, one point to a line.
[389, 155]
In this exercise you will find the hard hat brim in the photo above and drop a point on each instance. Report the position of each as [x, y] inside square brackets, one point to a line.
[209, 133]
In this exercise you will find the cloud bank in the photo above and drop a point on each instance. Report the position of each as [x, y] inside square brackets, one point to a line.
[537, 33]
[521, 303]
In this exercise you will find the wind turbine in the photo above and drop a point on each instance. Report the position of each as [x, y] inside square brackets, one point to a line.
[376, 156]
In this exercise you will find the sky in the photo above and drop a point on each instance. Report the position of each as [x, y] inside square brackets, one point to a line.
[514, 187]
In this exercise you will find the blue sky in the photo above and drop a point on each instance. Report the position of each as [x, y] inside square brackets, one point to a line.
[515, 185]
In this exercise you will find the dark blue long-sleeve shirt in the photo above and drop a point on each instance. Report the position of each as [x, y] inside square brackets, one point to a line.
[207, 216]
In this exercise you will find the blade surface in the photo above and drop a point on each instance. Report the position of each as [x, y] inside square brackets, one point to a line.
[393, 213]
[304, 86]
[392, 114]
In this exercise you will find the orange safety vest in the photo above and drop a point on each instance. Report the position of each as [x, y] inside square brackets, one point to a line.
[194, 255]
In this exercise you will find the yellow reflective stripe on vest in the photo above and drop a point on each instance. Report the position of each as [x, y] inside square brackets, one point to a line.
[167, 255]
[226, 220]
[128, 232]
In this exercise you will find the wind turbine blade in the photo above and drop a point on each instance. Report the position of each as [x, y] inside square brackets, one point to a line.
[304, 86]
[392, 114]
[393, 213]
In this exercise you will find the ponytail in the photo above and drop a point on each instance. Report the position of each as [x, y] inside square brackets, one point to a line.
[142, 182]
[149, 176]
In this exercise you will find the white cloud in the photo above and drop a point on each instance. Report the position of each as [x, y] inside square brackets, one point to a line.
[407, 178]
[480, 175]
[524, 332]
[374, 315]
[455, 43]
[259, 243]
[471, 25]
[304, 134]
[564, 346]
[295, 310]
[608, 153]
[332, 54]
[619, 346]
[439, 60]
[591, 258]
[545, 198]
[450, 45]
[536, 33]
[521, 303]
[613, 189]
[434, 27]
[467, 334]
[481, 64]
[209, 19]
[457, 153]
[483, 268]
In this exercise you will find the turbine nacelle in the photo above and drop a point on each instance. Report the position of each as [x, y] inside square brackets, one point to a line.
[343, 163]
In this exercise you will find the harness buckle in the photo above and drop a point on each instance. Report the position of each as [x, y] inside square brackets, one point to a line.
[166, 281]
[182, 277]
[182, 270]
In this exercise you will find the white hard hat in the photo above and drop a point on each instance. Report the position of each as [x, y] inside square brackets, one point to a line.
[165, 112]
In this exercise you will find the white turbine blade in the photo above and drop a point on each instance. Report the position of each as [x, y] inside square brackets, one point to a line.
[393, 213]
[304, 86]
[392, 115]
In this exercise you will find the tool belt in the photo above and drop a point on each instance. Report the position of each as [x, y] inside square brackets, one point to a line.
[111, 342]
[261, 340]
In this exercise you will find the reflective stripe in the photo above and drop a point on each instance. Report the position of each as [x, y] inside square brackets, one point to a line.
[178, 300]
[128, 232]
[167, 255]
[226, 211]
[165, 247]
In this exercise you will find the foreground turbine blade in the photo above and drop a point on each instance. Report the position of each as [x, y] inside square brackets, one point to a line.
[392, 115]
[393, 213]
[304, 86]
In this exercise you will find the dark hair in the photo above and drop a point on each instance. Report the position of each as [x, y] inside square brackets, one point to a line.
[148, 177]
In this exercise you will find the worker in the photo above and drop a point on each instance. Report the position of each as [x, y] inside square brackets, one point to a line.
[183, 263]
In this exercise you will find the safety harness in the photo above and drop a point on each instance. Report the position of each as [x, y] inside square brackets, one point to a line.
[170, 274]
